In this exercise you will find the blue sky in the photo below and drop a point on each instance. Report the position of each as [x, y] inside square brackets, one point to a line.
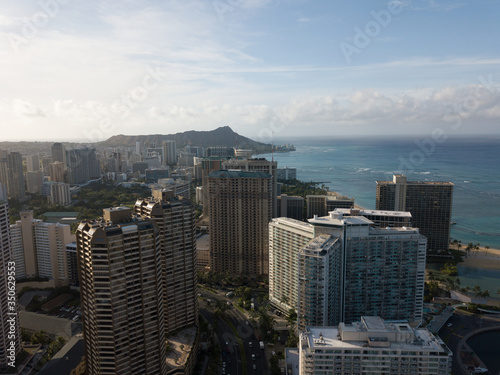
[85, 71]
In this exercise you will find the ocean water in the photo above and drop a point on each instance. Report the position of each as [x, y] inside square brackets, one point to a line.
[351, 166]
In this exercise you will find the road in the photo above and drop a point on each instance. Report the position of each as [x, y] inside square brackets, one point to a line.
[237, 353]
[462, 324]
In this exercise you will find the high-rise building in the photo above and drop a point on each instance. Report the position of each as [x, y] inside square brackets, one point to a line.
[60, 194]
[39, 248]
[32, 163]
[220, 151]
[82, 165]
[287, 237]
[57, 172]
[175, 220]
[23, 246]
[320, 205]
[320, 281]
[154, 174]
[16, 187]
[113, 163]
[10, 343]
[242, 153]
[199, 195]
[139, 167]
[239, 210]
[292, 207]
[119, 259]
[259, 165]
[381, 270]
[287, 173]
[58, 153]
[207, 166]
[34, 181]
[430, 205]
[72, 264]
[170, 152]
[4, 171]
[372, 346]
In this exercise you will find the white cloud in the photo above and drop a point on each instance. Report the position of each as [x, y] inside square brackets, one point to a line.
[24, 108]
[211, 73]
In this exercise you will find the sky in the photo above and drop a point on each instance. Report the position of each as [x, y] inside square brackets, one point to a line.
[86, 70]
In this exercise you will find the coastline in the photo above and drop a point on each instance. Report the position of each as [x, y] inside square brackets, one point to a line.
[482, 258]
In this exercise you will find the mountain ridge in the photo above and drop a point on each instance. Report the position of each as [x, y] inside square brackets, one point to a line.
[222, 136]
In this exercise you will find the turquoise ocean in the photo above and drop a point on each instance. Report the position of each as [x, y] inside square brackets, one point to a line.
[351, 166]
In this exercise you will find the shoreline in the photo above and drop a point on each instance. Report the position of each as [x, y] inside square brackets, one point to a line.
[481, 258]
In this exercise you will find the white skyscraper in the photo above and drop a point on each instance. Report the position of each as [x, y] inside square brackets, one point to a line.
[377, 272]
[39, 248]
[170, 151]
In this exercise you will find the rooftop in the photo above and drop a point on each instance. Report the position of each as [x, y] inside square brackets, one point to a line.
[66, 359]
[293, 222]
[337, 219]
[397, 335]
[223, 173]
[361, 212]
[438, 183]
[180, 347]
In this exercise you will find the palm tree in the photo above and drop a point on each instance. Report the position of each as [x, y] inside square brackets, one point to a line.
[477, 290]
[431, 275]
[291, 318]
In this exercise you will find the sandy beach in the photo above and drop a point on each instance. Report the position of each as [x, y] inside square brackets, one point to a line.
[482, 258]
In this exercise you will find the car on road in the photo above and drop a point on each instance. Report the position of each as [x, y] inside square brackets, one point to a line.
[250, 344]
[253, 357]
[449, 325]
[254, 366]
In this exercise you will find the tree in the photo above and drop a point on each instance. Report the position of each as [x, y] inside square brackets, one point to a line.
[293, 340]
[431, 275]
[25, 336]
[449, 269]
[220, 307]
[243, 292]
[476, 290]
[266, 323]
[485, 294]
[291, 318]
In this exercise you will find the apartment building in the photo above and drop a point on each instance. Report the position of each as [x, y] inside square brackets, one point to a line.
[121, 285]
[174, 217]
[430, 205]
[240, 208]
